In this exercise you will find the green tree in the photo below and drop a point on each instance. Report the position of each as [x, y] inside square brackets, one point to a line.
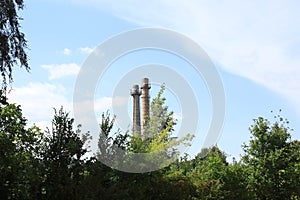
[272, 159]
[12, 41]
[160, 118]
[108, 142]
[19, 148]
[208, 173]
[63, 158]
[117, 147]
[235, 182]
[159, 129]
[114, 184]
[3, 100]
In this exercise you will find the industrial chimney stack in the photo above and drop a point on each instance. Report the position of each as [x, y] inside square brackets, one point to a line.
[135, 93]
[145, 103]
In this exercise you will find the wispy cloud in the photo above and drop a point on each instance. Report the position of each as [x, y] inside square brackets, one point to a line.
[86, 50]
[61, 70]
[258, 40]
[67, 51]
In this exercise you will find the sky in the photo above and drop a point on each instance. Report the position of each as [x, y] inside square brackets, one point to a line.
[255, 46]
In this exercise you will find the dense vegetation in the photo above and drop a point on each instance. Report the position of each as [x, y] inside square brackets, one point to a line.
[52, 164]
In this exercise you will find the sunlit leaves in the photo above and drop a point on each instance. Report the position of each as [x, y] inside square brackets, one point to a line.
[271, 160]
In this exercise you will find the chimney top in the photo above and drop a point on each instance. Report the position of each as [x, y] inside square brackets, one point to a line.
[135, 90]
[145, 80]
[145, 83]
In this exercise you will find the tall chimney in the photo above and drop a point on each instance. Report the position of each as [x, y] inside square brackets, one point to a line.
[145, 104]
[136, 127]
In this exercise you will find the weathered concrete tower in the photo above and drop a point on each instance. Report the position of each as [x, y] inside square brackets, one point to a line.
[145, 103]
[136, 126]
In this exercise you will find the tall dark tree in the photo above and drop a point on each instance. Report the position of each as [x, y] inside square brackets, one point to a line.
[63, 158]
[19, 147]
[12, 40]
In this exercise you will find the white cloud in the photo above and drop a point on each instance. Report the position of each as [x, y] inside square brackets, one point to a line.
[86, 50]
[101, 104]
[39, 99]
[258, 40]
[62, 70]
[67, 51]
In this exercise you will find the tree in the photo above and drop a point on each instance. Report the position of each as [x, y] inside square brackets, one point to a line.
[160, 118]
[155, 185]
[235, 182]
[116, 148]
[63, 158]
[12, 41]
[272, 159]
[3, 100]
[19, 147]
[108, 142]
[208, 173]
[159, 129]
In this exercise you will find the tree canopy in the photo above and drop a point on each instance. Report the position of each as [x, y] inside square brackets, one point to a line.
[12, 40]
[51, 164]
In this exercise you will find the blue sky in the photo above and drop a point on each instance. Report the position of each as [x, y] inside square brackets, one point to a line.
[254, 45]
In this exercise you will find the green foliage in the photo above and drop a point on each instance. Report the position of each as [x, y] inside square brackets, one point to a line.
[52, 165]
[108, 142]
[272, 160]
[3, 100]
[159, 129]
[62, 155]
[12, 40]
[18, 148]
[116, 148]
[161, 120]
[207, 174]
